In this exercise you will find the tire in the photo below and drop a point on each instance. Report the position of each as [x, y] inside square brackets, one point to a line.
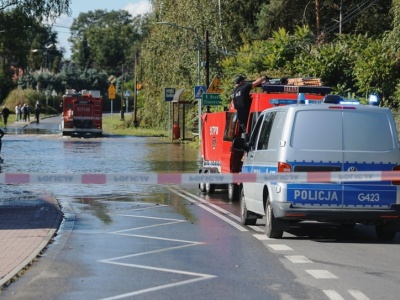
[384, 235]
[234, 191]
[202, 187]
[210, 188]
[246, 218]
[271, 223]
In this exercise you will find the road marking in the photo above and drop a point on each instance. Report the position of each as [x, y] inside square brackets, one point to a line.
[186, 243]
[298, 259]
[358, 295]
[216, 207]
[321, 274]
[261, 237]
[210, 210]
[257, 228]
[204, 277]
[280, 247]
[333, 295]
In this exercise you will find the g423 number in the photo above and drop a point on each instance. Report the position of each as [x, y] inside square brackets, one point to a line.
[373, 197]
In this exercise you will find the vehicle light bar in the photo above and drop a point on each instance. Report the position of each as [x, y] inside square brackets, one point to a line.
[282, 101]
[292, 101]
[348, 101]
[272, 88]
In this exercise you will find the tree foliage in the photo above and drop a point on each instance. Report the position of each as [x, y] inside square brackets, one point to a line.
[39, 9]
[104, 40]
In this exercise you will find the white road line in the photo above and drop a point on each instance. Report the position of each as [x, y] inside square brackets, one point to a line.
[333, 295]
[280, 247]
[135, 293]
[147, 252]
[261, 237]
[216, 207]
[298, 259]
[321, 274]
[358, 295]
[257, 228]
[150, 226]
[210, 210]
[125, 232]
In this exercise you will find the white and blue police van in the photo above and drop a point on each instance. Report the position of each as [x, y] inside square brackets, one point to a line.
[326, 137]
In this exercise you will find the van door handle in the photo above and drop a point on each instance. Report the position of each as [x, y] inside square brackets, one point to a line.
[251, 156]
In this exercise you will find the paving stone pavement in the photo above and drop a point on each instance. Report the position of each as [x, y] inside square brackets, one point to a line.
[27, 226]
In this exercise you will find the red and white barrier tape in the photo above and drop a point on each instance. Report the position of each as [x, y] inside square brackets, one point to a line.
[190, 178]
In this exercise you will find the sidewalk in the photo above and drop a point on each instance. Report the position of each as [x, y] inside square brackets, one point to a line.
[27, 225]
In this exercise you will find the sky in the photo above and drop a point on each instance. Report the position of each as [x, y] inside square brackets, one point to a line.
[134, 7]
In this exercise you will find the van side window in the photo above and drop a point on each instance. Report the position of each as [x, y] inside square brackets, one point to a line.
[255, 132]
[265, 132]
[253, 120]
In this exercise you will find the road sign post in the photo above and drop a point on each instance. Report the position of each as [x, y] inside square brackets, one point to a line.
[111, 95]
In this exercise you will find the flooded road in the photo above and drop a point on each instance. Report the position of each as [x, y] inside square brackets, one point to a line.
[56, 154]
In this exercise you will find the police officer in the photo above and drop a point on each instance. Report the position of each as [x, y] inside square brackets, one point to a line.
[241, 98]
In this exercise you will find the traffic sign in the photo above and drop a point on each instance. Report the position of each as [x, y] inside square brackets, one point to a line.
[127, 93]
[211, 99]
[112, 79]
[111, 92]
[199, 90]
[215, 86]
[169, 94]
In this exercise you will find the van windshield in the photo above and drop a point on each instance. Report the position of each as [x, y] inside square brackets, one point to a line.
[350, 130]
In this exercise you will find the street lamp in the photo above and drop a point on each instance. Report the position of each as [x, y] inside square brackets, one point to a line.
[198, 63]
[45, 51]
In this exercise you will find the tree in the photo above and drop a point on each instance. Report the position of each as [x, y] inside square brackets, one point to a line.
[103, 40]
[39, 9]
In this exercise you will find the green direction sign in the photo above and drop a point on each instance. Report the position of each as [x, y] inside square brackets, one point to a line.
[211, 99]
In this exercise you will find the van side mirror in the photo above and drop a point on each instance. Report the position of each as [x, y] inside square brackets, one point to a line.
[240, 144]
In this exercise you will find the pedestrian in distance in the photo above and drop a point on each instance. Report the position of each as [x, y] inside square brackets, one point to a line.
[28, 112]
[242, 99]
[24, 112]
[5, 112]
[37, 112]
[20, 112]
[1, 136]
[16, 113]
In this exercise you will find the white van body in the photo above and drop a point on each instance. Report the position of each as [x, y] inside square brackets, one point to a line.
[323, 138]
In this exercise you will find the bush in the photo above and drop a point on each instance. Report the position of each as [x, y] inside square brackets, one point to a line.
[30, 97]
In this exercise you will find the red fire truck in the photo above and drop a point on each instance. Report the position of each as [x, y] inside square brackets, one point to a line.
[82, 113]
[219, 129]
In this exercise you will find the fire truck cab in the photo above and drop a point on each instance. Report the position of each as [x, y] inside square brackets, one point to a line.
[219, 129]
[82, 113]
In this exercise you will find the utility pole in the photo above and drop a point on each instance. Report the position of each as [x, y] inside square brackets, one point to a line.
[207, 62]
[135, 89]
[122, 95]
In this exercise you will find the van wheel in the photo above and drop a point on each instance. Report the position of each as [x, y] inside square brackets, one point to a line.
[246, 217]
[234, 192]
[202, 187]
[271, 223]
[210, 188]
[384, 235]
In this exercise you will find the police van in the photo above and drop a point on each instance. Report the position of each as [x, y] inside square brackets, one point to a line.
[326, 137]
